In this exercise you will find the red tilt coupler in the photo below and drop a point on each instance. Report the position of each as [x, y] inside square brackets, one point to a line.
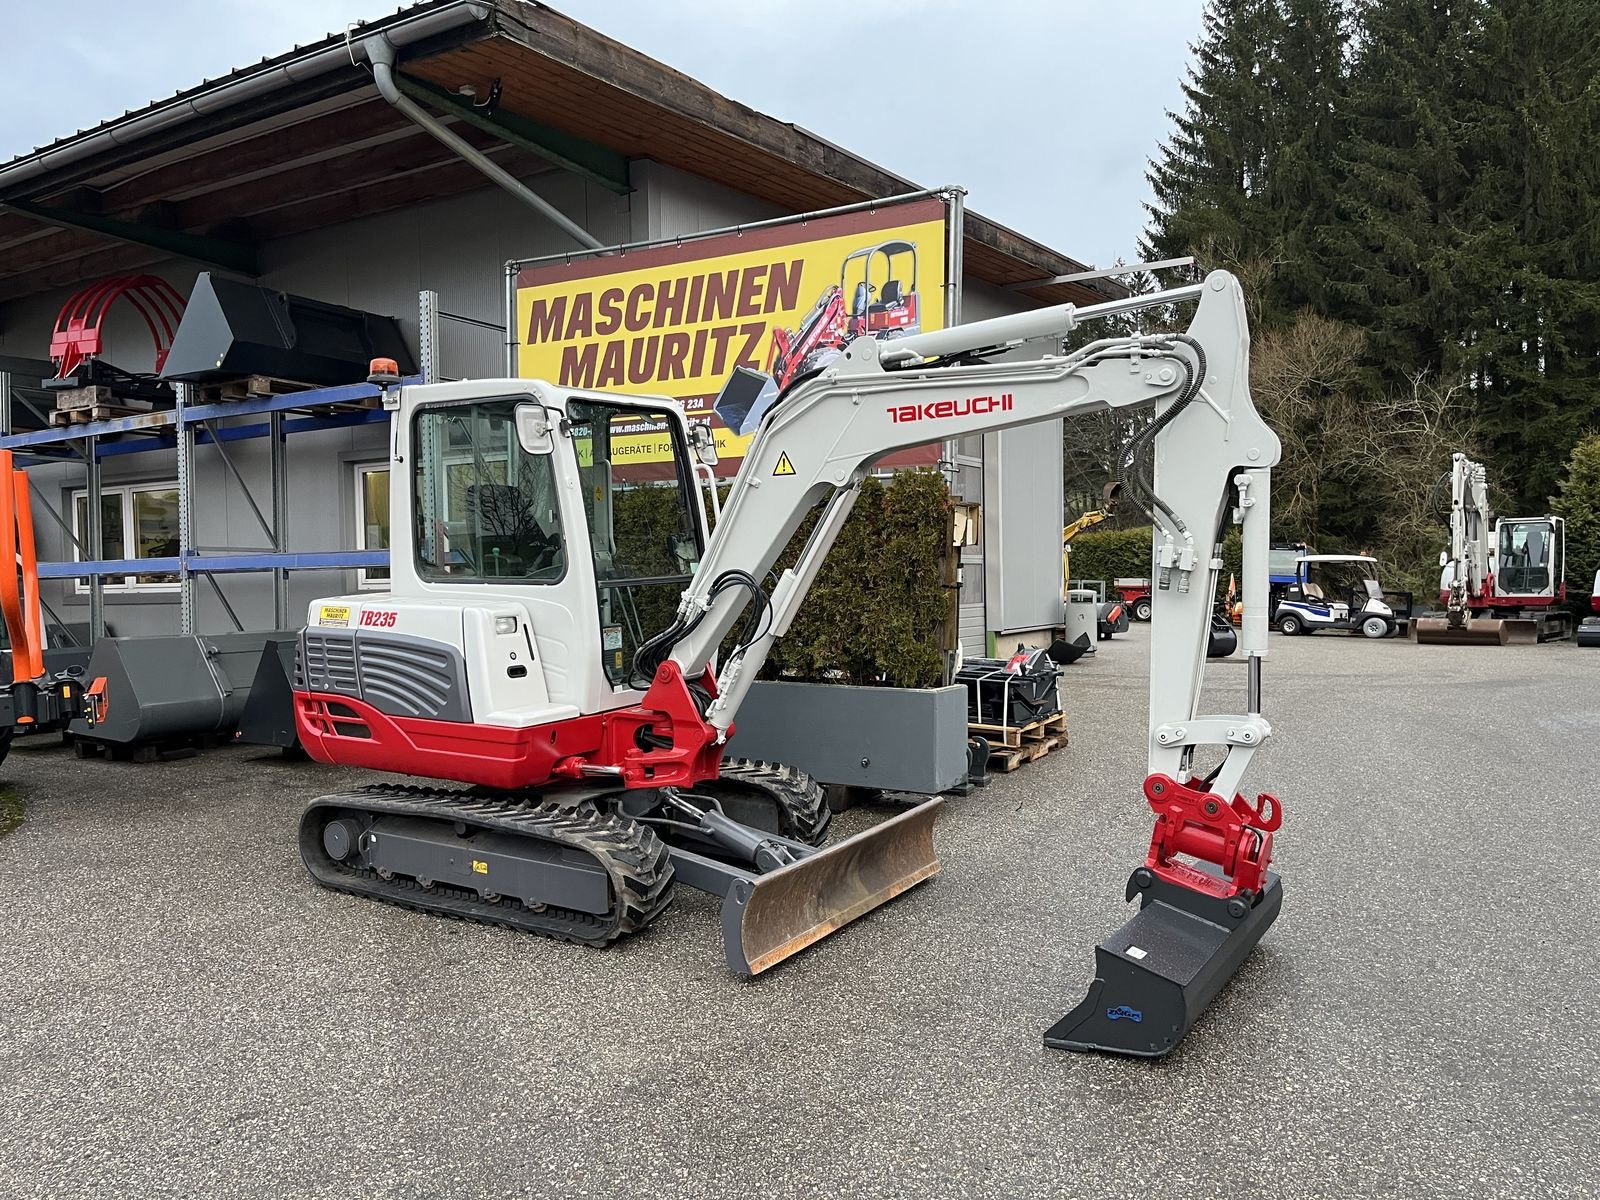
[1236, 837]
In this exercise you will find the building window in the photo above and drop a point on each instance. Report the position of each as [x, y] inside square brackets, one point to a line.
[372, 520]
[136, 521]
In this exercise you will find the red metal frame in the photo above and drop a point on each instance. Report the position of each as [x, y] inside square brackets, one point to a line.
[826, 328]
[341, 729]
[78, 332]
[1236, 836]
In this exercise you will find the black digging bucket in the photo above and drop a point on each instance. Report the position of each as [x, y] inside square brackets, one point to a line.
[1159, 972]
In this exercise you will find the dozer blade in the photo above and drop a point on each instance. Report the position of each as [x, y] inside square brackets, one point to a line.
[1156, 975]
[768, 917]
[1481, 631]
[1520, 632]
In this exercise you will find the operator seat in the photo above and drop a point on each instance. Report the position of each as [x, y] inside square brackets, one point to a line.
[862, 300]
[890, 297]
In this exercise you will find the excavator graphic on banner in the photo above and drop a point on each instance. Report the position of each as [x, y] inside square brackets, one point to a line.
[886, 311]
[554, 646]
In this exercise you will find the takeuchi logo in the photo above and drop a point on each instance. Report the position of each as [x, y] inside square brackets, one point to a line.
[935, 410]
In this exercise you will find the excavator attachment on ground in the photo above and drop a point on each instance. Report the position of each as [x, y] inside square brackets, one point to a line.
[788, 895]
[1205, 897]
[1160, 971]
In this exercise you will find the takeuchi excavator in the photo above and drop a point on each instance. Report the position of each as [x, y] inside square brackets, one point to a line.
[565, 638]
[1504, 578]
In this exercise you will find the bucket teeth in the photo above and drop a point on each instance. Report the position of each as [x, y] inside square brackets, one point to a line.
[767, 918]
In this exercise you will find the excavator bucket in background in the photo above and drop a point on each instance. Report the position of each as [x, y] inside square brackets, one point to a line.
[1477, 631]
[769, 915]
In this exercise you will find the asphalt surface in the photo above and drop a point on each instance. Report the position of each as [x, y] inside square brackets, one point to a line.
[183, 1013]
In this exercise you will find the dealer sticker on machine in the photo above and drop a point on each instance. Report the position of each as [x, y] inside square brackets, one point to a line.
[333, 614]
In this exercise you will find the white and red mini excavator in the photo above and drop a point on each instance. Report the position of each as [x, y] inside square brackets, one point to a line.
[564, 637]
[1504, 578]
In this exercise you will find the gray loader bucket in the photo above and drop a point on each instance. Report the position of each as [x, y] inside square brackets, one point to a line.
[766, 918]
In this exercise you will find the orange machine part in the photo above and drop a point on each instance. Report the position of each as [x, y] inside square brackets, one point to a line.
[17, 601]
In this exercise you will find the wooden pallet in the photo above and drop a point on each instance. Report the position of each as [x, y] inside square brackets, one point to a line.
[1012, 745]
[1006, 758]
[251, 387]
[263, 387]
[1017, 735]
[98, 412]
[82, 399]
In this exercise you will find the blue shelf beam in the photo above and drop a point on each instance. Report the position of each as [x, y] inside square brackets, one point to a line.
[163, 422]
[205, 564]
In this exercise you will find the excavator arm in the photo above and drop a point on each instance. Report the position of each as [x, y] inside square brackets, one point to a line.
[1206, 893]
[1213, 458]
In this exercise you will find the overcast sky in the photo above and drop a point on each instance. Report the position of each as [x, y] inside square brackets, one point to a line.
[1045, 110]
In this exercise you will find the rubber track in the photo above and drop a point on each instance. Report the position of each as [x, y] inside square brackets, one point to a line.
[803, 814]
[636, 860]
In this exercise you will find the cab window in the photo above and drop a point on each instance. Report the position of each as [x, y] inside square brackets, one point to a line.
[644, 525]
[485, 509]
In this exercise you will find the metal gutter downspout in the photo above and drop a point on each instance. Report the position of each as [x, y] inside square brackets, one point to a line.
[381, 55]
[402, 32]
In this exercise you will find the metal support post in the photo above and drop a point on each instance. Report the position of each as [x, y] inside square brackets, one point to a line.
[428, 335]
[186, 605]
[97, 594]
[280, 521]
[513, 269]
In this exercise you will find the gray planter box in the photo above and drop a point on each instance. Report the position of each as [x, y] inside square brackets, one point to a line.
[893, 739]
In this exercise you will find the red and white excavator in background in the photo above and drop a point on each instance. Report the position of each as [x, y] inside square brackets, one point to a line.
[1504, 578]
[565, 636]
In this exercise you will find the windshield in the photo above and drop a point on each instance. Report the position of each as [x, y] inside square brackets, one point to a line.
[1523, 565]
[644, 528]
[1347, 581]
[485, 508]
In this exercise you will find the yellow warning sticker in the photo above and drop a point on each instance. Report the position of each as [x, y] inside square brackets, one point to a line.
[333, 614]
[479, 867]
[784, 467]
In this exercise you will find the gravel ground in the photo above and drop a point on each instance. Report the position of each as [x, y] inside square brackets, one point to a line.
[183, 1013]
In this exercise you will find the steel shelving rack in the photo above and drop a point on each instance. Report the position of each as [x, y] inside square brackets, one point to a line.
[190, 425]
[185, 428]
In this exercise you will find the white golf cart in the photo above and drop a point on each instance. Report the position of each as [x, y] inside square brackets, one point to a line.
[1336, 591]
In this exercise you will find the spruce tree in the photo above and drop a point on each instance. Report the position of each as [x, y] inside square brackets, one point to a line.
[1306, 129]
[1530, 257]
[1397, 233]
[1208, 175]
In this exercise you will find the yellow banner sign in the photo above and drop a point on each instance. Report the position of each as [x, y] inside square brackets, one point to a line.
[722, 316]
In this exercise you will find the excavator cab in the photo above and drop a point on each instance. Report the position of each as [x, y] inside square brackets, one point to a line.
[1530, 556]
